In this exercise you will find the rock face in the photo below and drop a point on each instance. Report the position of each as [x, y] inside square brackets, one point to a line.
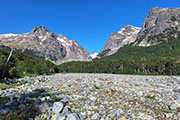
[160, 24]
[42, 42]
[119, 39]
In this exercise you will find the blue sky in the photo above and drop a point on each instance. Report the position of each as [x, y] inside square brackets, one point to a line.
[89, 22]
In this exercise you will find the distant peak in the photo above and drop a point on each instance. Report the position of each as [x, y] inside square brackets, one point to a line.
[94, 55]
[40, 30]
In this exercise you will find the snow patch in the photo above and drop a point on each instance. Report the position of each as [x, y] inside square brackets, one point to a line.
[40, 37]
[94, 55]
[8, 35]
[64, 43]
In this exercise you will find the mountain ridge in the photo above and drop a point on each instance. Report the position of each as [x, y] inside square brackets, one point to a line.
[117, 40]
[44, 43]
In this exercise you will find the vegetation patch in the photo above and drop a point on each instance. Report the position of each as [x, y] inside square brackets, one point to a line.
[23, 114]
[3, 101]
[150, 96]
[3, 86]
[21, 65]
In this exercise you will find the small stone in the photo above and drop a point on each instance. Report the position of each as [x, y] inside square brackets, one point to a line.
[102, 109]
[58, 107]
[4, 111]
[22, 106]
[83, 117]
[73, 116]
[38, 101]
[119, 112]
[168, 115]
[54, 117]
[96, 116]
[92, 98]
[61, 117]
[66, 110]
[12, 102]
[112, 114]
[174, 106]
[44, 107]
[139, 93]
[122, 119]
[1, 92]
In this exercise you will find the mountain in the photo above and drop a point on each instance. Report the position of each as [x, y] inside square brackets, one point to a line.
[94, 55]
[159, 36]
[159, 25]
[155, 50]
[42, 42]
[119, 39]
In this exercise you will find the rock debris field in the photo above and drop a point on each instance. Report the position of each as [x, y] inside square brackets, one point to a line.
[91, 97]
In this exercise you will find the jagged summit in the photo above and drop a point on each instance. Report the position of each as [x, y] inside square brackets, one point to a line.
[124, 36]
[44, 43]
[157, 26]
[40, 30]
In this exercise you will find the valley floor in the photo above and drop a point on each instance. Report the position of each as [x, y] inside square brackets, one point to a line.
[93, 97]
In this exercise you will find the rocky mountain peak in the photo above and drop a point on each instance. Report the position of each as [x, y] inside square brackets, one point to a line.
[124, 36]
[42, 42]
[40, 31]
[157, 26]
[128, 30]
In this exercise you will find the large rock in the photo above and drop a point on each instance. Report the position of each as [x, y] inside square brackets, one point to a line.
[42, 42]
[125, 36]
[58, 107]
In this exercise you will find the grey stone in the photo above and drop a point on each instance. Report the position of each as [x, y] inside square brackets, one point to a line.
[92, 98]
[22, 106]
[44, 107]
[174, 106]
[96, 116]
[38, 101]
[83, 117]
[73, 116]
[4, 111]
[112, 114]
[12, 102]
[139, 93]
[58, 107]
[119, 113]
[177, 96]
[102, 109]
[61, 117]
[66, 110]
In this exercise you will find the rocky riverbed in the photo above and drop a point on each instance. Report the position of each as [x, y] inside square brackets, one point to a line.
[91, 97]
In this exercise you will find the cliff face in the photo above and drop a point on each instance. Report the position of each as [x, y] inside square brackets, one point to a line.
[159, 25]
[44, 43]
[119, 39]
